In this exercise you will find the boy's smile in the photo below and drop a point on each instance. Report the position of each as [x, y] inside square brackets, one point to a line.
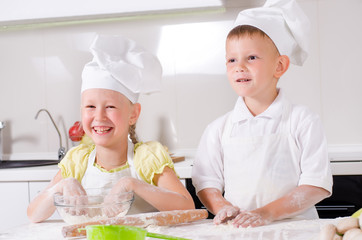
[243, 80]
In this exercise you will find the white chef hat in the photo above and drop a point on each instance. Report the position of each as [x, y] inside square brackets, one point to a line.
[285, 23]
[121, 65]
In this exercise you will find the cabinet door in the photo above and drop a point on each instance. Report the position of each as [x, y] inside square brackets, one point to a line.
[34, 189]
[14, 201]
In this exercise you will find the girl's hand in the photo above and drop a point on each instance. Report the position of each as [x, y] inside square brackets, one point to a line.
[117, 204]
[125, 184]
[73, 193]
[250, 219]
[120, 192]
[228, 212]
[70, 187]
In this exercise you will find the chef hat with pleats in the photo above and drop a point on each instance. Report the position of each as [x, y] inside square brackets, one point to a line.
[121, 65]
[285, 23]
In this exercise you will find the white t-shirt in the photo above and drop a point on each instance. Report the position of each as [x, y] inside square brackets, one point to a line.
[305, 127]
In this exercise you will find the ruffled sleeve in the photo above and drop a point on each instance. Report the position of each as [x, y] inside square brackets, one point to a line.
[151, 158]
[74, 164]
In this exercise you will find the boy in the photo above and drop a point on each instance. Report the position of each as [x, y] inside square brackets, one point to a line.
[268, 156]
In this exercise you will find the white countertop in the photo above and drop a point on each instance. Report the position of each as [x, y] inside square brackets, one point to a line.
[183, 169]
[43, 173]
[200, 230]
[344, 161]
[46, 173]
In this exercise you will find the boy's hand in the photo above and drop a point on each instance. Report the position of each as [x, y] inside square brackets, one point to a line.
[250, 219]
[226, 213]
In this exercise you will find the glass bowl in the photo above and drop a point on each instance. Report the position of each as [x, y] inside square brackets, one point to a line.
[96, 205]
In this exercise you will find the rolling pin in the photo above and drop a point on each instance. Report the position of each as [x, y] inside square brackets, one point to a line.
[165, 218]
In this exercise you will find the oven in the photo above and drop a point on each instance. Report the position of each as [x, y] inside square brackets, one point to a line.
[346, 198]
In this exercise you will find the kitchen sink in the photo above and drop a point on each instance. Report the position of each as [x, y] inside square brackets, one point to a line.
[26, 163]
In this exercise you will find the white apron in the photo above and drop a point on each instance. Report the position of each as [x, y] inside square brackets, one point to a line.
[261, 169]
[95, 178]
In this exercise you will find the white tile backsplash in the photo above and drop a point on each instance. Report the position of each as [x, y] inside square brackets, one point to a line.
[41, 68]
[341, 69]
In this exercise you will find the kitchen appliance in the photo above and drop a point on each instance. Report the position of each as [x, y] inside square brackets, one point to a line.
[346, 198]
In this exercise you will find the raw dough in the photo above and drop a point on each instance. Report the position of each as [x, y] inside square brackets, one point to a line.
[347, 223]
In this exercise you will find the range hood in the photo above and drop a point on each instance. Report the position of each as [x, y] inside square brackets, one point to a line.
[14, 12]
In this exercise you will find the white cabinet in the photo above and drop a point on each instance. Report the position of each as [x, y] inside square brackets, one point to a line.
[13, 203]
[19, 186]
[14, 200]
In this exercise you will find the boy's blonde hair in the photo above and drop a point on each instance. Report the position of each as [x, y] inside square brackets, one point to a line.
[248, 30]
[243, 30]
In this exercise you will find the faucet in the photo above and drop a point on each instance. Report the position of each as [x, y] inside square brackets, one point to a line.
[61, 150]
[2, 126]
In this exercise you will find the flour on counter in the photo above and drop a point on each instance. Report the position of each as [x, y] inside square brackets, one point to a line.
[280, 230]
[51, 229]
[199, 230]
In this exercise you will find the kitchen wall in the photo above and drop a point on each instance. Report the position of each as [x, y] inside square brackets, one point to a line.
[40, 67]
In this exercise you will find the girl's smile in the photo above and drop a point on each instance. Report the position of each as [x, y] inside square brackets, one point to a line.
[101, 130]
[107, 116]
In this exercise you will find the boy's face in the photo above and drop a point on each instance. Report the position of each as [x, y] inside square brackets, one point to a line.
[251, 62]
[106, 116]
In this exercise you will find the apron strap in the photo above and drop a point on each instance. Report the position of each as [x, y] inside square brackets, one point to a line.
[286, 120]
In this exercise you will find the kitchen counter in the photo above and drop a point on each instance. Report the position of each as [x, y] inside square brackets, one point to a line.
[204, 229]
[25, 174]
[46, 173]
[343, 162]
[183, 169]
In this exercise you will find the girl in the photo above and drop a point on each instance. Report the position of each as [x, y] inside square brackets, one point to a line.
[111, 84]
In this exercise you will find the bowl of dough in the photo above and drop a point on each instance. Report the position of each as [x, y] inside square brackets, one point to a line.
[96, 205]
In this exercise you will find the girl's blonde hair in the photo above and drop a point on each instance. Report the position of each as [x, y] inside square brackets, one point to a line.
[132, 133]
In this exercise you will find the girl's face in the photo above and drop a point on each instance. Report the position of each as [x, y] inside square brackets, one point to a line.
[106, 116]
[251, 62]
